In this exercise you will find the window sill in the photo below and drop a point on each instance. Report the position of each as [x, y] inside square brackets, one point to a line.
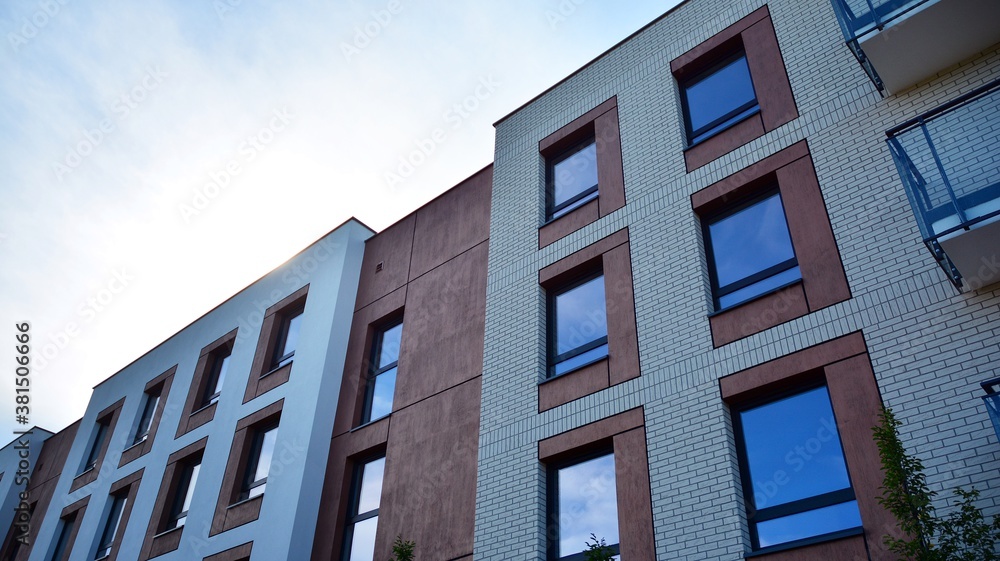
[723, 131]
[755, 298]
[168, 532]
[202, 408]
[245, 501]
[834, 536]
[371, 422]
[576, 369]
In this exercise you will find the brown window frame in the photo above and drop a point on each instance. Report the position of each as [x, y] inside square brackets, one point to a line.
[128, 487]
[823, 283]
[230, 510]
[238, 553]
[263, 375]
[109, 418]
[844, 367]
[160, 386]
[158, 539]
[612, 256]
[600, 125]
[624, 435]
[72, 514]
[197, 413]
[753, 35]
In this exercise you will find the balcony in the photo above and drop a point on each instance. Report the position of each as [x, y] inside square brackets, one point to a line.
[900, 42]
[949, 162]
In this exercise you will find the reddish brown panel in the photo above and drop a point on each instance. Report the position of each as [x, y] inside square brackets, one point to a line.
[610, 173]
[740, 184]
[572, 385]
[857, 404]
[812, 236]
[429, 489]
[623, 345]
[453, 223]
[238, 553]
[767, 71]
[635, 506]
[682, 64]
[155, 542]
[744, 385]
[194, 415]
[443, 328]
[363, 442]
[562, 270]
[391, 248]
[567, 223]
[108, 416]
[723, 143]
[554, 447]
[576, 130]
[846, 549]
[357, 361]
[759, 314]
[262, 378]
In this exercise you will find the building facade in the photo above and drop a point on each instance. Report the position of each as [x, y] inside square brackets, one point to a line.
[666, 318]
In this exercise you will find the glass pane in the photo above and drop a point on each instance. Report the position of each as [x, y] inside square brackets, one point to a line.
[717, 95]
[580, 359]
[385, 387]
[258, 490]
[389, 346]
[371, 486]
[807, 524]
[575, 174]
[111, 527]
[793, 449]
[95, 447]
[750, 241]
[759, 287]
[189, 493]
[221, 369]
[147, 416]
[363, 542]
[588, 504]
[581, 316]
[266, 451]
[292, 336]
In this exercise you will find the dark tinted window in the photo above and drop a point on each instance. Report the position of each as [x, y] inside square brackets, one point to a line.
[111, 527]
[578, 325]
[573, 179]
[213, 389]
[795, 475]
[259, 462]
[382, 375]
[718, 98]
[146, 420]
[751, 252]
[285, 349]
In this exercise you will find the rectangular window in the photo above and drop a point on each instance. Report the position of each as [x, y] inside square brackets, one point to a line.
[259, 463]
[362, 521]
[288, 338]
[184, 494]
[111, 527]
[216, 377]
[718, 98]
[750, 251]
[572, 179]
[96, 444]
[62, 542]
[795, 477]
[583, 496]
[578, 325]
[151, 401]
[382, 376]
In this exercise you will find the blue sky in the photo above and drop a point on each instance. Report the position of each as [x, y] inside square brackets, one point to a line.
[150, 151]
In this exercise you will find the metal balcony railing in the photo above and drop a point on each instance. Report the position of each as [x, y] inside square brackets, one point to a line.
[858, 18]
[992, 400]
[949, 162]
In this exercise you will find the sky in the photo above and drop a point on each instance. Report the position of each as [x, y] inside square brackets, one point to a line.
[158, 157]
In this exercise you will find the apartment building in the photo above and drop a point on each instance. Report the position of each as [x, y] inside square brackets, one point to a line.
[667, 316]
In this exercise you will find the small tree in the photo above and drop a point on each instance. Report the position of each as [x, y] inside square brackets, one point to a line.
[598, 550]
[402, 550]
[963, 536]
